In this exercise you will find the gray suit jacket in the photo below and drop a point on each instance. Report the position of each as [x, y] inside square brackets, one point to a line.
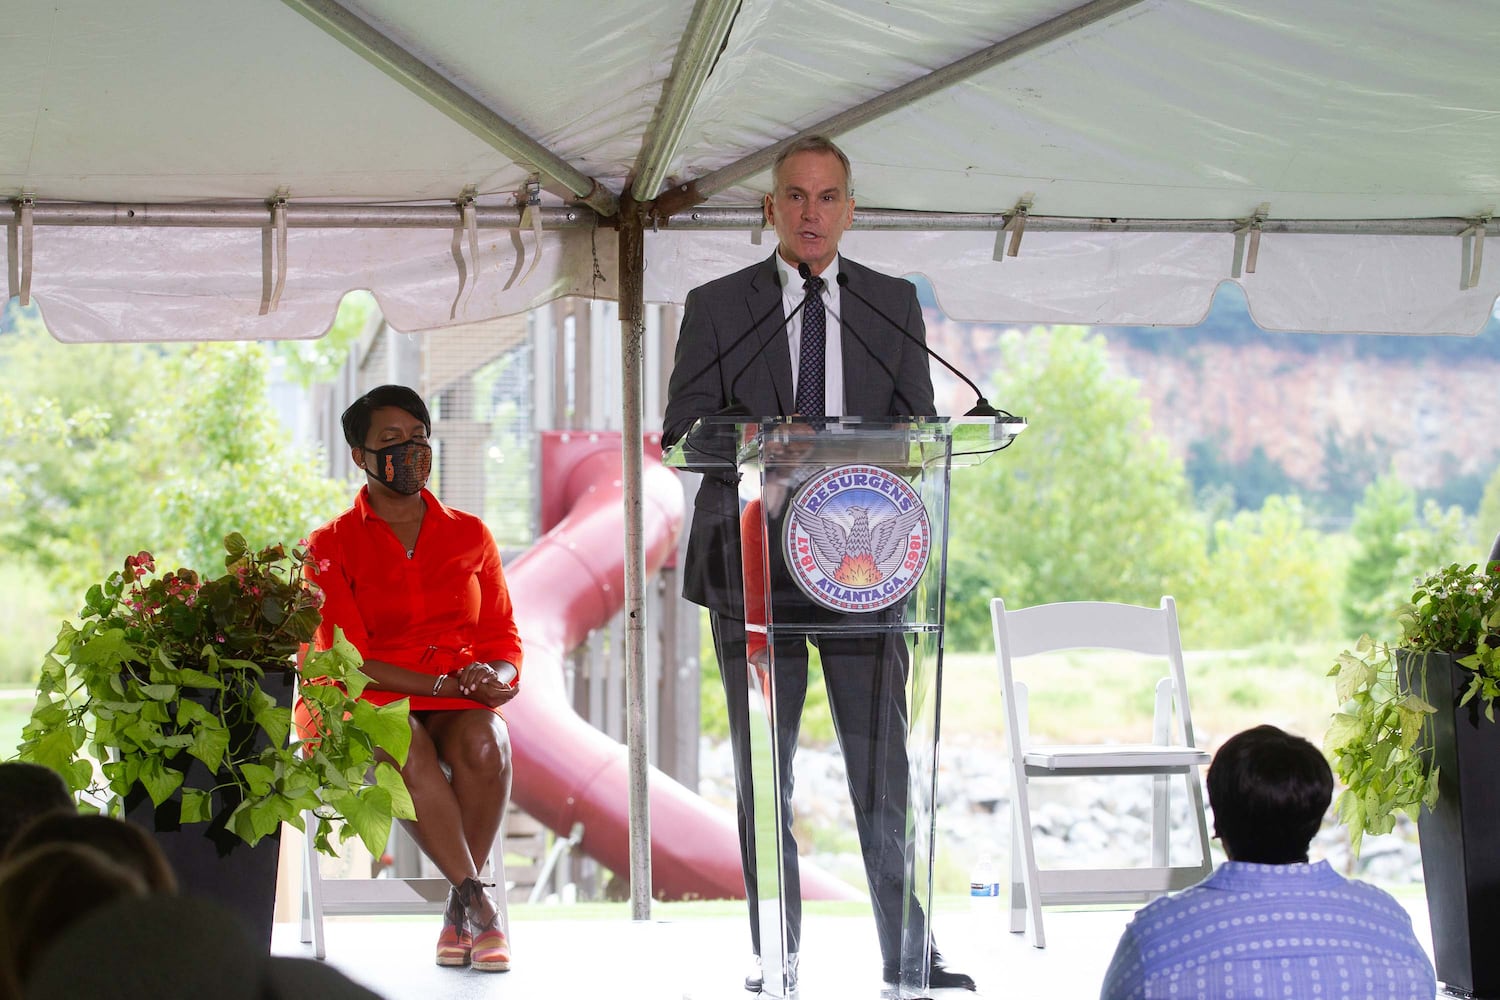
[885, 375]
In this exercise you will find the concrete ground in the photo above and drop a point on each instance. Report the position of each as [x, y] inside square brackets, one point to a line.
[701, 954]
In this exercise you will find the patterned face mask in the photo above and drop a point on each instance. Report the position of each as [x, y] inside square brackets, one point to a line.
[403, 467]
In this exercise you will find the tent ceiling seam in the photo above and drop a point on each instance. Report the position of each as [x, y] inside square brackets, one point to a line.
[1049, 31]
[707, 29]
[365, 40]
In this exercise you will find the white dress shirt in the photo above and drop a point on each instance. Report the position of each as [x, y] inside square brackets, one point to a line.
[833, 365]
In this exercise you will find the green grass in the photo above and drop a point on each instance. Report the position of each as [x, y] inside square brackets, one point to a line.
[1101, 696]
[13, 715]
[1082, 697]
[31, 610]
[1086, 696]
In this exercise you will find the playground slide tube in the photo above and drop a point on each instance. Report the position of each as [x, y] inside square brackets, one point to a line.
[566, 771]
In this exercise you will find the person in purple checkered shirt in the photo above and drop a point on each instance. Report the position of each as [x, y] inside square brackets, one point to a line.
[1267, 923]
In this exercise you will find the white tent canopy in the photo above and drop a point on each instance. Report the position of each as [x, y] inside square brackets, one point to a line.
[215, 169]
[1150, 142]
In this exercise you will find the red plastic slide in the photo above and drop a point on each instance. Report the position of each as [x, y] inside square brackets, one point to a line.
[566, 771]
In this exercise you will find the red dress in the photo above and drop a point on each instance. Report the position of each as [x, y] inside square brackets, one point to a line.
[445, 607]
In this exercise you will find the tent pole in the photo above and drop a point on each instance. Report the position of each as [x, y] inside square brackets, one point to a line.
[632, 365]
[241, 214]
[464, 108]
[707, 29]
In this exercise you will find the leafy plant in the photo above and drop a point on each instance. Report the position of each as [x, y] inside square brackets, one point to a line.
[1377, 740]
[1066, 533]
[165, 670]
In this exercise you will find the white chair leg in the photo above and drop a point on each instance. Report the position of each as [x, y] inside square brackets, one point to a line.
[304, 899]
[1161, 811]
[1161, 786]
[1200, 816]
[1017, 870]
[312, 880]
[497, 872]
[1031, 880]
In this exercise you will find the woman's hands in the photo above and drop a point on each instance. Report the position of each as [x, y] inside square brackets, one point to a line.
[485, 683]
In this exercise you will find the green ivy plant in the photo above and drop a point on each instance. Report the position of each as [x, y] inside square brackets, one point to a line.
[1377, 740]
[162, 670]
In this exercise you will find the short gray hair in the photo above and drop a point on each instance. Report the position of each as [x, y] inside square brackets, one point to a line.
[814, 144]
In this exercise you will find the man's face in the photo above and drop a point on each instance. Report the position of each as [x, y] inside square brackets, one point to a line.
[810, 208]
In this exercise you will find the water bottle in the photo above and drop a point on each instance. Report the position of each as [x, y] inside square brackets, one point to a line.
[984, 890]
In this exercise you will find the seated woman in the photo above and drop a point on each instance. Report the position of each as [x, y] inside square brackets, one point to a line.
[417, 588]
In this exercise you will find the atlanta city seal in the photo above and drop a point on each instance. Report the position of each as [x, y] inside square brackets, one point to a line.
[857, 538]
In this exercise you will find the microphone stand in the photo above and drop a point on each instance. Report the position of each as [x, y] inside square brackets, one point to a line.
[735, 407]
[981, 408]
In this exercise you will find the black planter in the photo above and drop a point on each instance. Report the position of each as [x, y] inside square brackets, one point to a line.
[1460, 837]
[208, 859]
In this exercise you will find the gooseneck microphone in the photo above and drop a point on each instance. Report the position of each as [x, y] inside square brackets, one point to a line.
[845, 326]
[981, 408]
[735, 406]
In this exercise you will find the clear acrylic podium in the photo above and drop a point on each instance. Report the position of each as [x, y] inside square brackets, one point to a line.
[844, 541]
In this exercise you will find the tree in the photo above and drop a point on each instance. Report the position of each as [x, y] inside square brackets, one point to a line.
[1442, 536]
[1249, 482]
[311, 362]
[1270, 578]
[1088, 503]
[234, 467]
[1487, 521]
[1381, 520]
[71, 481]
[114, 448]
[1349, 465]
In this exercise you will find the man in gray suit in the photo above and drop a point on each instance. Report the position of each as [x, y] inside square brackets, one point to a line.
[839, 354]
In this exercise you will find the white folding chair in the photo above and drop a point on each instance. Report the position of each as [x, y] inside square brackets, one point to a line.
[1171, 752]
[341, 896]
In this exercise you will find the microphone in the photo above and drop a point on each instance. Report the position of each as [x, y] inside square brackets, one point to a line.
[735, 406]
[981, 408]
[895, 382]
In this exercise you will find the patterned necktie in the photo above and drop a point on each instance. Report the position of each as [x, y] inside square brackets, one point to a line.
[810, 362]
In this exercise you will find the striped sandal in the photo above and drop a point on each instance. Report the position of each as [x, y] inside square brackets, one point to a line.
[491, 952]
[455, 943]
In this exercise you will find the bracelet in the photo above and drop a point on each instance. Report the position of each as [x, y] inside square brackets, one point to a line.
[438, 684]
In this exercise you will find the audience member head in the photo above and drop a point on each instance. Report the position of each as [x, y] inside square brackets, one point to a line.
[45, 890]
[155, 948]
[26, 792]
[1268, 790]
[123, 843]
[356, 419]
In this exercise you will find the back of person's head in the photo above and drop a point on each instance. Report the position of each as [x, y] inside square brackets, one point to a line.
[356, 418]
[123, 843]
[45, 890]
[26, 792]
[156, 948]
[1268, 790]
